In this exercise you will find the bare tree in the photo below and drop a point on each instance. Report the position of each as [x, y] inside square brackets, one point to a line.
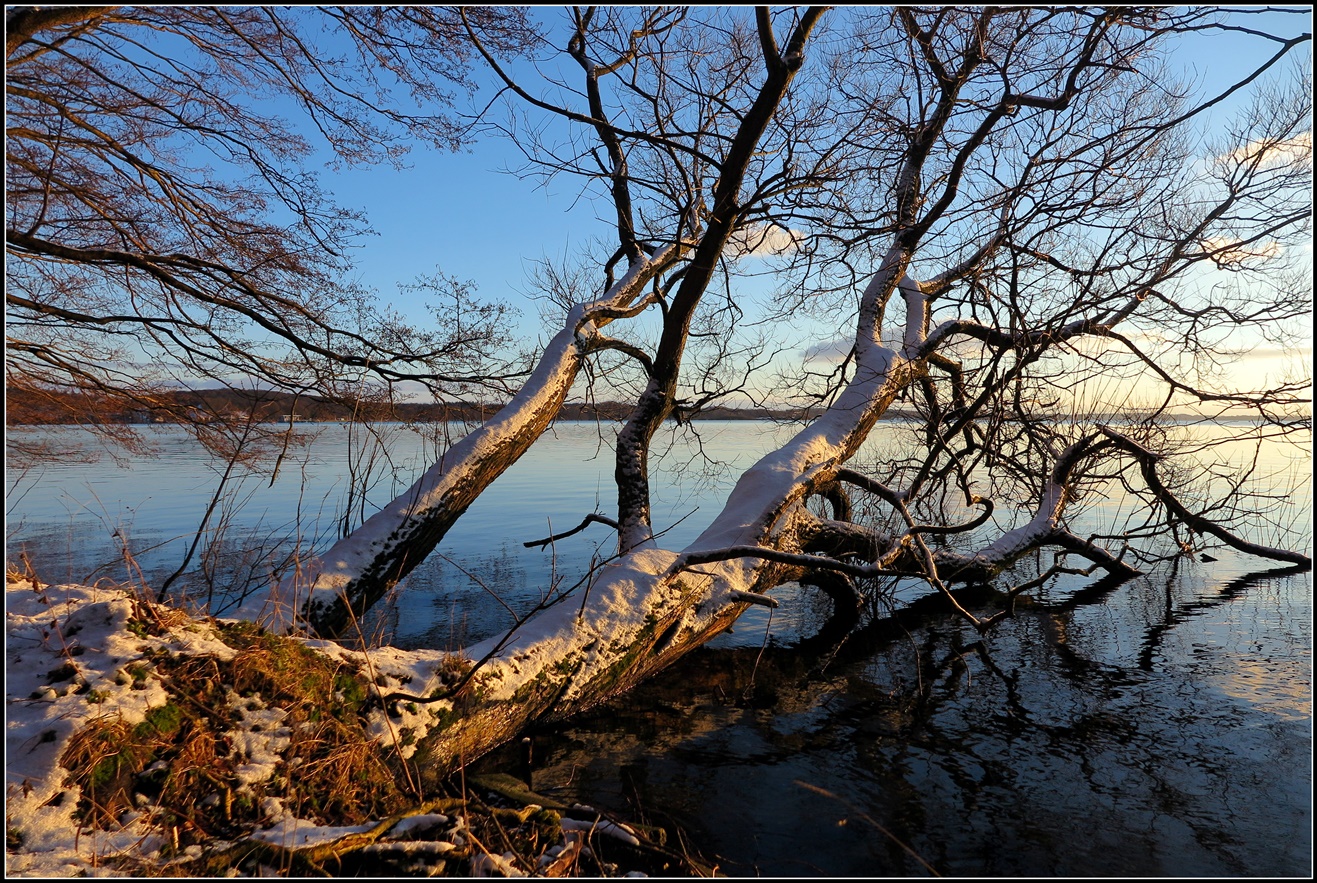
[1010, 208]
[1034, 163]
[164, 227]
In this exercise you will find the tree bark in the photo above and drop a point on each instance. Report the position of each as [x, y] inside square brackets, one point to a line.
[651, 606]
[326, 593]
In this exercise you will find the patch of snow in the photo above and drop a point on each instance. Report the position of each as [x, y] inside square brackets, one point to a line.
[603, 826]
[77, 635]
[259, 738]
[416, 848]
[196, 641]
[291, 832]
[487, 865]
[413, 824]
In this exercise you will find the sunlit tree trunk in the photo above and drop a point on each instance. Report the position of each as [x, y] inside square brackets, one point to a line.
[325, 593]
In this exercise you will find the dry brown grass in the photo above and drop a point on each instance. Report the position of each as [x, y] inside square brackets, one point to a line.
[182, 764]
[180, 768]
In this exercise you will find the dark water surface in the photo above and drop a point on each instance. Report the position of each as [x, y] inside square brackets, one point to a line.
[1158, 727]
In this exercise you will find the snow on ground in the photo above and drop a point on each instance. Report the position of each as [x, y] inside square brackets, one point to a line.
[79, 654]
[73, 655]
[65, 646]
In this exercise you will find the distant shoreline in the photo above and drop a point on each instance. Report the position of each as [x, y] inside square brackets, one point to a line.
[23, 408]
[237, 406]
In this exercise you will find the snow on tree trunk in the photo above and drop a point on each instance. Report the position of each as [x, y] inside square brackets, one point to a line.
[325, 593]
[652, 605]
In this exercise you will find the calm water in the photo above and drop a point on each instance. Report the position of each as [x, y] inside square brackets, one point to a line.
[1159, 727]
[74, 517]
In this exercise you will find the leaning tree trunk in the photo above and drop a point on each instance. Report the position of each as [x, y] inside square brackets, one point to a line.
[329, 591]
[324, 594]
[651, 606]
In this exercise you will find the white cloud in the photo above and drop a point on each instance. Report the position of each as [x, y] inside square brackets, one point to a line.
[763, 240]
[837, 350]
[1291, 150]
[832, 351]
[1235, 254]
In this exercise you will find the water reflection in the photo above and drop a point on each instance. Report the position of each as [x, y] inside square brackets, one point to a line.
[1157, 727]
[1099, 732]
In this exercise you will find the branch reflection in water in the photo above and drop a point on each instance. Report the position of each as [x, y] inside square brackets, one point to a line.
[1158, 726]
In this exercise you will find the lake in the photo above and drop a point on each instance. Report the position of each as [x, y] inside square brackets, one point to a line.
[1157, 727]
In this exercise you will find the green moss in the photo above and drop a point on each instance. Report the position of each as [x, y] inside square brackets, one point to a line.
[530, 688]
[293, 671]
[639, 645]
[114, 759]
[105, 771]
[445, 717]
[163, 722]
[352, 689]
[544, 816]
[567, 665]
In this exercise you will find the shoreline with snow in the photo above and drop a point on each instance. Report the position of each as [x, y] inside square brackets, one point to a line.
[101, 745]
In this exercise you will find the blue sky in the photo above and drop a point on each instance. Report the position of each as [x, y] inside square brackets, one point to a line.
[461, 214]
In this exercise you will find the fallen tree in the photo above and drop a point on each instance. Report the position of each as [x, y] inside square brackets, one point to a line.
[1005, 206]
[1061, 103]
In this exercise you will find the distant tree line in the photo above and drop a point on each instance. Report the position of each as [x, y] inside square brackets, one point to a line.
[28, 407]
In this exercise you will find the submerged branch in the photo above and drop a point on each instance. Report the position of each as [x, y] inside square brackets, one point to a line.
[1148, 467]
[592, 518]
